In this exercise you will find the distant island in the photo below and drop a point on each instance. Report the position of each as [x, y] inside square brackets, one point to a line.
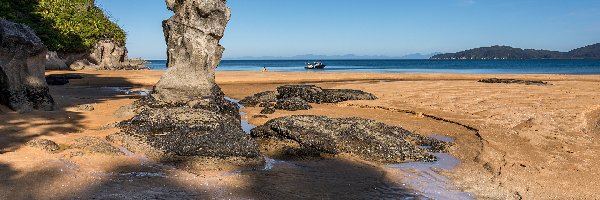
[335, 57]
[510, 53]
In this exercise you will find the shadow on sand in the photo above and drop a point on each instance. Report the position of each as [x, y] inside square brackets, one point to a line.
[63, 179]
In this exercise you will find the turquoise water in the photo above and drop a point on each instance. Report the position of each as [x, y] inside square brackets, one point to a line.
[416, 66]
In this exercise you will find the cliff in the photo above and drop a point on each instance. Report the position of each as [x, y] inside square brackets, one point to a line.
[74, 31]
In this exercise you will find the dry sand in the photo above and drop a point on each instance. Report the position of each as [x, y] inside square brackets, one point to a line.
[514, 141]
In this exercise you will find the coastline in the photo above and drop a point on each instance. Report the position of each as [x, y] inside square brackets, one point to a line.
[513, 140]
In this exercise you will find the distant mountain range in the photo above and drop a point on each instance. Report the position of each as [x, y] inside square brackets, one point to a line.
[336, 57]
[510, 53]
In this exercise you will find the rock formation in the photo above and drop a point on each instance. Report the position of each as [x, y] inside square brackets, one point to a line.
[43, 144]
[512, 81]
[292, 104]
[314, 94]
[258, 98]
[193, 50]
[22, 83]
[105, 55]
[298, 97]
[302, 136]
[187, 117]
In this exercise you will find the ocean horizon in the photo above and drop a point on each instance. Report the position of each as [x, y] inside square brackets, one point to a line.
[573, 67]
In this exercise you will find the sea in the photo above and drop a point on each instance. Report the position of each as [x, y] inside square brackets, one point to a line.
[414, 66]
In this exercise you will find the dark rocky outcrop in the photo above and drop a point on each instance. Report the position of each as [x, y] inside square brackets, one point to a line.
[297, 97]
[259, 98]
[268, 110]
[22, 84]
[370, 140]
[512, 81]
[292, 104]
[314, 94]
[187, 120]
[43, 144]
[309, 93]
[181, 131]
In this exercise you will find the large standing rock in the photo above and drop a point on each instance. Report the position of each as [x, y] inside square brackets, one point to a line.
[370, 140]
[186, 119]
[193, 53]
[22, 60]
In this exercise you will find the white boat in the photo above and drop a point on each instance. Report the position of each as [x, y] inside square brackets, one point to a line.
[315, 65]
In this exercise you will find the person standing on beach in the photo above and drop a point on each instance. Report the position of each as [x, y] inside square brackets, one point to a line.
[264, 69]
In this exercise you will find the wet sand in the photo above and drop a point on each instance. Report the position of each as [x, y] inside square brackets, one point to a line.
[513, 141]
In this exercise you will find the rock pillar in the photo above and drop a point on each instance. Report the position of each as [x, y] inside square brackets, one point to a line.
[22, 61]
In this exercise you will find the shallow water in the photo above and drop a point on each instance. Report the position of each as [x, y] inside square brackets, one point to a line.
[130, 174]
[424, 176]
[246, 126]
[442, 138]
[122, 90]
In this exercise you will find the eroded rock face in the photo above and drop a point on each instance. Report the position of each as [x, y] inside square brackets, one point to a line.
[22, 61]
[105, 55]
[193, 51]
[186, 119]
[307, 135]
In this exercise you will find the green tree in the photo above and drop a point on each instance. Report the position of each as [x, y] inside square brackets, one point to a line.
[63, 25]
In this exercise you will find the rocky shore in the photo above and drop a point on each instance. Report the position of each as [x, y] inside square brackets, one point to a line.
[104, 55]
[300, 136]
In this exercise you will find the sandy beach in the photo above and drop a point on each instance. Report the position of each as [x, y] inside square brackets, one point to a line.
[513, 140]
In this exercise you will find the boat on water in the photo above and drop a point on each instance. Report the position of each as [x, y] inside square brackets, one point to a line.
[315, 65]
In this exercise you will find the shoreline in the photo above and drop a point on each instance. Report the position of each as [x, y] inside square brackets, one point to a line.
[513, 140]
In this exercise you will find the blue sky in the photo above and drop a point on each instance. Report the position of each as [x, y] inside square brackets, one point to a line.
[375, 27]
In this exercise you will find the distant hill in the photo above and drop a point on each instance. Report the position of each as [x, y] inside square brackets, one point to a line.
[510, 53]
[336, 57]
[590, 51]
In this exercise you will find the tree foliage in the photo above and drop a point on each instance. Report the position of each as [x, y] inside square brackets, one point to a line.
[63, 25]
